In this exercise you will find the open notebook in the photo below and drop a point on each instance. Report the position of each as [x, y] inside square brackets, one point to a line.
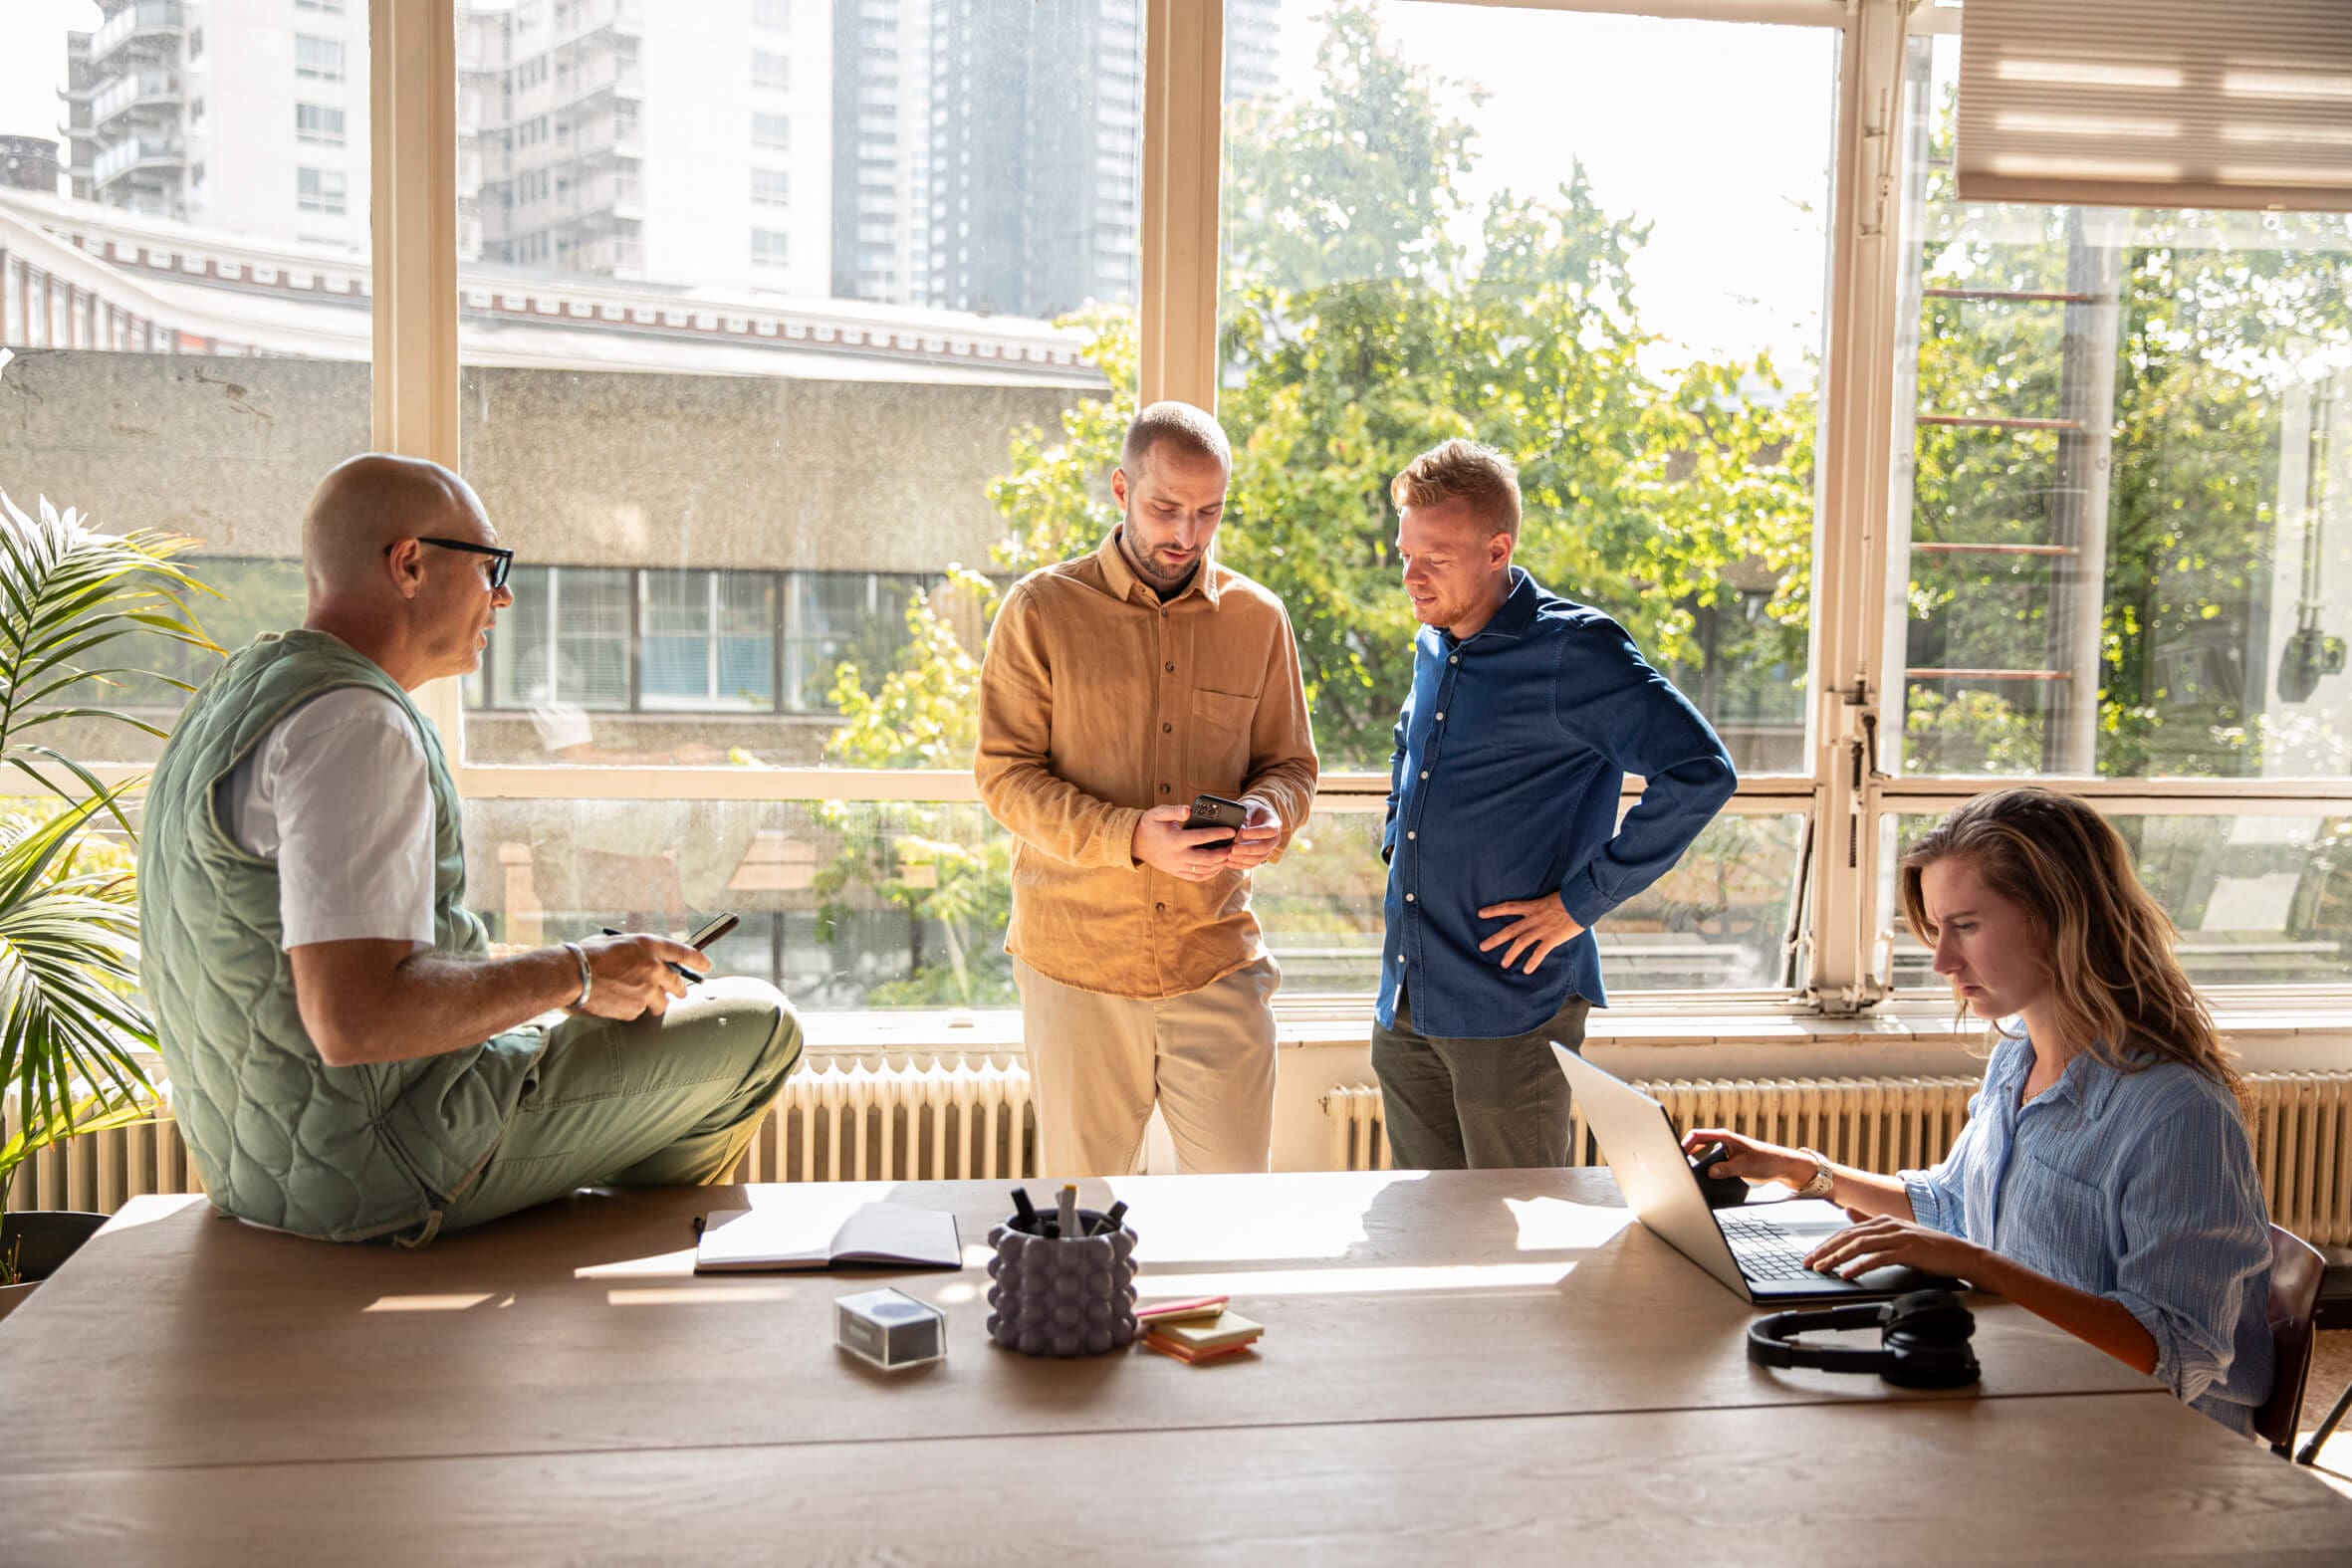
[814, 1234]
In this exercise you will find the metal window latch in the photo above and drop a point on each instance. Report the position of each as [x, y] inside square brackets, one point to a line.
[1858, 731]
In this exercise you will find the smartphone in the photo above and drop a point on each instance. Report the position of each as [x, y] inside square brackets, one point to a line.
[1214, 811]
[712, 931]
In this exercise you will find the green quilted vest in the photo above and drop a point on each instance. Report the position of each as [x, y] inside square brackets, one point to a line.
[280, 1138]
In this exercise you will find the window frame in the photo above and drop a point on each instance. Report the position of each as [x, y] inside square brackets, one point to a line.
[712, 638]
[312, 192]
[323, 69]
[1837, 970]
[330, 130]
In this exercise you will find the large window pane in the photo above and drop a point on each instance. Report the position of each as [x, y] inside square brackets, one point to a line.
[2125, 469]
[775, 313]
[183, 285]
[862, 905]
[2259, 900]
[1717, 921]
[899, 904]
[857, 618]
[1449, 220]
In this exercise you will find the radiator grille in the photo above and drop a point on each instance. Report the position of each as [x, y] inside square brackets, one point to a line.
[931, 1120]
[927, 1121]
[2301, 1124]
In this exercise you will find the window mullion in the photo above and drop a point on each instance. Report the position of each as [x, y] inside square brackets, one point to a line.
[412, 157]
[1183, 141]
[1850, 555]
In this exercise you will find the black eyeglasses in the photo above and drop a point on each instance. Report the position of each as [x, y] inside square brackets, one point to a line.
[501, 561]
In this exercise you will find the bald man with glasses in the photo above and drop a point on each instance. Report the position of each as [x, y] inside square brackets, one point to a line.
[348, 1061]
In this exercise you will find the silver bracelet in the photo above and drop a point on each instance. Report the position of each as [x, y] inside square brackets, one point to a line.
[587, 979]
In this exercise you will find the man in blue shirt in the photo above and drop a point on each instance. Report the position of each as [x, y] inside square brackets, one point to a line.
[1503, 843]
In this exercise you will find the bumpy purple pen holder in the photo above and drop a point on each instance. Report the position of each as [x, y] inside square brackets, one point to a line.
[1061, 1298]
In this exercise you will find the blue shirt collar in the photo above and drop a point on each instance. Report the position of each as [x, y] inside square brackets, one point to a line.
[2087, 1081]
[1511, 621]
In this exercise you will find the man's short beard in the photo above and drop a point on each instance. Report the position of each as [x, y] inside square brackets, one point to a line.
[1141, 562]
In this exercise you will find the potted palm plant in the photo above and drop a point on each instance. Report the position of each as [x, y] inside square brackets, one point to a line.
[75, 1037]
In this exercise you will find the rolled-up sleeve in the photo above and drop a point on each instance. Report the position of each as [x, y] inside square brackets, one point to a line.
[1939, 1194]
[2195, 1234]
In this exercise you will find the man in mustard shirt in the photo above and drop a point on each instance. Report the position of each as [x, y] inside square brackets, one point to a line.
[1117, 687]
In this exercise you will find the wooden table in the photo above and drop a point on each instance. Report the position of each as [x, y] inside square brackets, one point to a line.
[1464, 1367]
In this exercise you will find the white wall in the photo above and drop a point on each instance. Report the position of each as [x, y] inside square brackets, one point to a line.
[696, 131]
[246, 141]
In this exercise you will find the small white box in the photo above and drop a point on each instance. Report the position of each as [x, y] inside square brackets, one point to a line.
[890, 1329]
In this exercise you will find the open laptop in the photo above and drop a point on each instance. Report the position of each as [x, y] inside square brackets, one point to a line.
[1758, 1250]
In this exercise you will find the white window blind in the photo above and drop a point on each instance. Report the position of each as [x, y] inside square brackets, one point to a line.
[2157, 103]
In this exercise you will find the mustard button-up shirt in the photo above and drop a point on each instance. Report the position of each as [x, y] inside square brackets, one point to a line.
[1098, 702]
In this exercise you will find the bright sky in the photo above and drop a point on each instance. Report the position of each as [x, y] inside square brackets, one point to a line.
[1717, 133]
[33, 61]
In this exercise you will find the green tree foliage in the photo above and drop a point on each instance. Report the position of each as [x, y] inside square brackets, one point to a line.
[2216, 317]
[1371, 313]
[923, 713]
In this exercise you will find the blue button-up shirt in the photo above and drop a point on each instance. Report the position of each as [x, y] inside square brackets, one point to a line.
[2139, 1187]
[1510, 756]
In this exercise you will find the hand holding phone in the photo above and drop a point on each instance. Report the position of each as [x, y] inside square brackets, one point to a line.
[1257, 830]
[1185, 844]
[1214, 811]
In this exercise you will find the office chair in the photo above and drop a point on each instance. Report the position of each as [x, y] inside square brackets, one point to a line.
[2334, 1312]
[2296, 1269]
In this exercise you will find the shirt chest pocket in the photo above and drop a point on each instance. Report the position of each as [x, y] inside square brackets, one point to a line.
[1218, 741]
[2056, 1223]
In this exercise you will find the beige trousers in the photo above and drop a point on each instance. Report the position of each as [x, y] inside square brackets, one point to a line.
[1097, 1063]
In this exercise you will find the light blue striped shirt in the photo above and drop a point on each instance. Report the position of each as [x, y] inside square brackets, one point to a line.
[2139, 1187]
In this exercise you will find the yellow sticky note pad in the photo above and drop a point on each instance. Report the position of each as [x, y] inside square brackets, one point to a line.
[1222, 1332]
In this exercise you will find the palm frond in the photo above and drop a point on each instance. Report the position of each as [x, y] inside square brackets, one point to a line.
[69, 959]
[14, 757]
[74, 1035]
[67, 591]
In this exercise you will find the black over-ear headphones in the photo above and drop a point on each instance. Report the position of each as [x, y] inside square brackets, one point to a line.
[1923, 1344]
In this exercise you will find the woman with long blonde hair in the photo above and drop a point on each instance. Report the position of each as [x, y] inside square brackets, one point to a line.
[2104, 1181]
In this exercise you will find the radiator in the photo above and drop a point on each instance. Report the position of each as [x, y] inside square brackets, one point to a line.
[99, 1172]
[2301, 1125]
[831, 1123]
[931, 1122]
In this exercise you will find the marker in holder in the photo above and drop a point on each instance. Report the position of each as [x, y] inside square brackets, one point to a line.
[1059, 1294]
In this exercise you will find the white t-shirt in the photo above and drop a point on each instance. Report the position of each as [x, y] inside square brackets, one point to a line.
[340, 795]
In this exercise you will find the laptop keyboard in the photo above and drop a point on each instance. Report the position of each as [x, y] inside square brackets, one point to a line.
[1765, 1252]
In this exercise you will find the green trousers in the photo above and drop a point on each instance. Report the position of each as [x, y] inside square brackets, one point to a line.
[667, 1101]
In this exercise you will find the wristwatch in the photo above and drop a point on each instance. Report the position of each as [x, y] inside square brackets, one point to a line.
[1823, 1178]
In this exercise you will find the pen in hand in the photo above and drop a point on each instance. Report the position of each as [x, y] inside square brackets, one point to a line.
[685, 974]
